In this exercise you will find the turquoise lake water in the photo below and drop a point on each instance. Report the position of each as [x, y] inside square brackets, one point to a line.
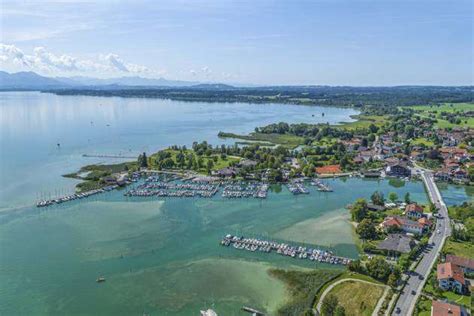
[160, 256]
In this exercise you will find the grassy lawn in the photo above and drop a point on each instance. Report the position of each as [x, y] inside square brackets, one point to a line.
[344, 275]
[425, 110]
[446, 107]
[357, 298]
[218, 162]
[363, 121]
[463, 249]
[290, 141]
[423, 307]
[445, 124]
[422, 141]
[393, 211]
[91, 174]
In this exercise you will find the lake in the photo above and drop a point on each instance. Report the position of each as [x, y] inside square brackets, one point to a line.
[160, 256]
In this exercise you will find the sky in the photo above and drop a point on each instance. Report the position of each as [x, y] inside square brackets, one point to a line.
[262, 42]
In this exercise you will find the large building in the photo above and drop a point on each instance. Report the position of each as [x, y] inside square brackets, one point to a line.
[451, 277]
[397, 243]
[398, 223]
[398, 170]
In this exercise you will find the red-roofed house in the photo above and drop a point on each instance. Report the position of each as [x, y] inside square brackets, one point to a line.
[466, 264]
[451, 277]
[439, 308]
[329, 169]
[425, 222]
[392, 223]
[414, 211]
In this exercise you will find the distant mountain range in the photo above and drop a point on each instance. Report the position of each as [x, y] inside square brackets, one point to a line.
[32, 81]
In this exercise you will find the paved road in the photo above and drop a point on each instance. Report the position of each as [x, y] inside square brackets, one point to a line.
[414, 284]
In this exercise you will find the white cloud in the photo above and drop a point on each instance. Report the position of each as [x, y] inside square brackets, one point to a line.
[42, 60]
[13, 54]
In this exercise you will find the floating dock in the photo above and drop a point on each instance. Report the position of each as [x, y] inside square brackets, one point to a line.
[75, 196]
[293, 251]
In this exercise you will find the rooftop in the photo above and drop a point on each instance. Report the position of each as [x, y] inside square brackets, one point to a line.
[414, 208]
[329, 169]
[461, 261]
[397, 242]
[449, 270]
[445, 309]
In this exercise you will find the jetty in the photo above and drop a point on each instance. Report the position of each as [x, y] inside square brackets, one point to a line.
[175, 186]
[75, 196]
[297, 188]
[252, 311]
[165, 187]
[284, 249]
[245, 190]
[321, 186]
[108, 156]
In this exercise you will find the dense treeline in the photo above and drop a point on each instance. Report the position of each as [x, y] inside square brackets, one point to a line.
[310, 95]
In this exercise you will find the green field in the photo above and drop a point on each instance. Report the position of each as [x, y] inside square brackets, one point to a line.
[290, 141]
[463, 249]
[358, 298]
[446, 107]
[218, 162]
[422, 141]
[426, 110]
[345, 275]
[363, 121]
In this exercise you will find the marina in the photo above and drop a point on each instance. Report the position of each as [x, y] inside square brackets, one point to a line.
[175, 186]
[284, 249]
[192, 187]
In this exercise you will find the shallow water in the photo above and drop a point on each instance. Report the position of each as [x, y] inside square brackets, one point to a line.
[163, 255]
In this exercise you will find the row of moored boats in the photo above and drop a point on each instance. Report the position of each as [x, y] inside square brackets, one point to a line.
[301, 252]
[74, 196]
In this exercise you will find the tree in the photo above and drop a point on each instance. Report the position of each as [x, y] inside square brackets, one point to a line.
[392, 196]
[366, 229]
[409, 131]
[378, 268]
[355, 266]
[404, 262]
[329, 305]
[392, 280]
[275, 176]
[143, 161]
[340, 311]
[373, 128]
[359, 210]
[210, 164]
[407, 198]
[378, 198]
